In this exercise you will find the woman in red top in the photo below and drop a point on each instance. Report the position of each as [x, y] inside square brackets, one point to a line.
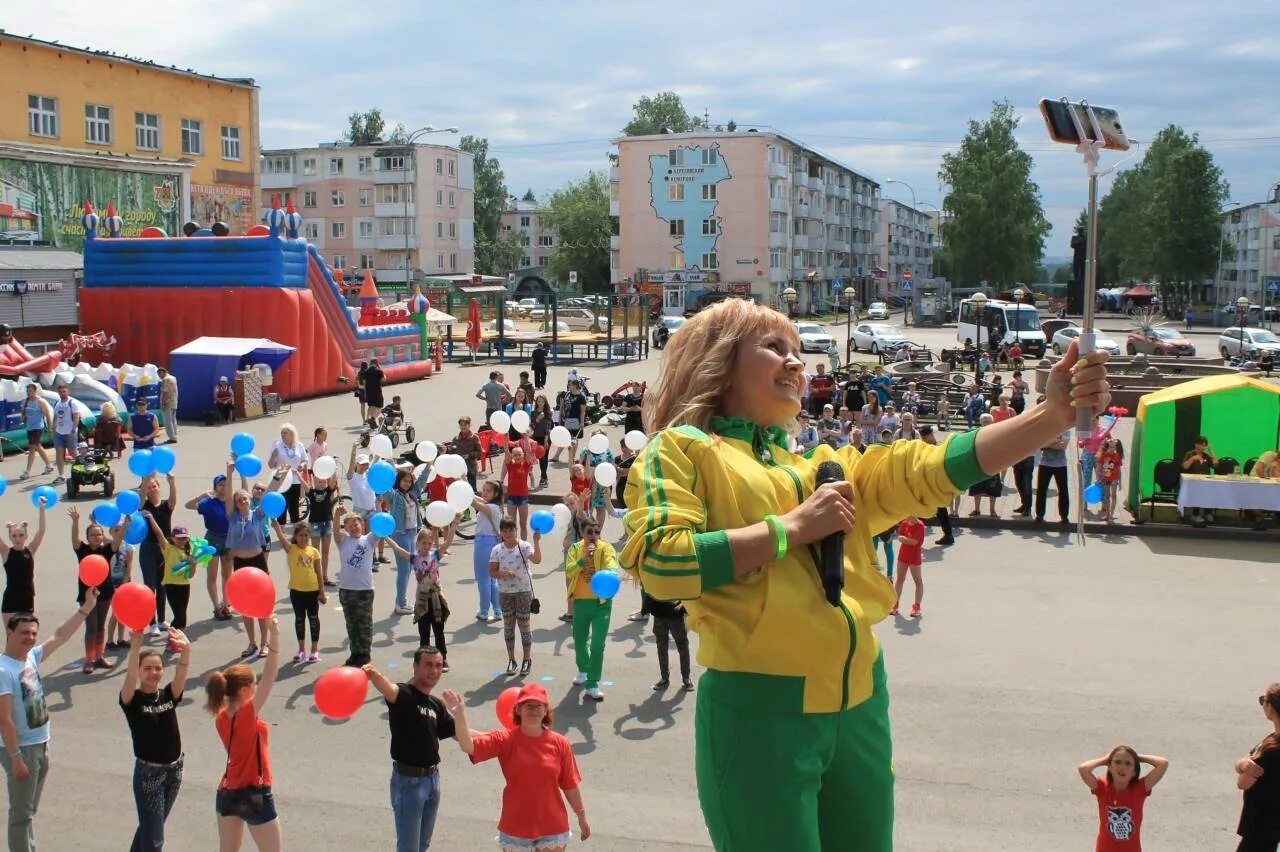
[539, 766]
[1121, 795]
[910, 555]
[517, 471]
[235, 698]
[1110, 460]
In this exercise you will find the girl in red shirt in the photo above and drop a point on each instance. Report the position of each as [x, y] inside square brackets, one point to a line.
[518, 473]
[541, 774]
[1110, 460]
[579, 483]
[910, 555]
[1121, 795]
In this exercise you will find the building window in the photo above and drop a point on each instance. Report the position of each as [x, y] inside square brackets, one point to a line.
[677, 227]
[338, 230]
[336, 166]
[524, 221]
[364, 165]
[526, 261]
[453, 263]
[97, 124]
[675, 192]
[339, 261]
[439, 230]
[192, 136]
[365, 197]
[42, 114]
[546, 241]
[710, 227]
[451, 200]
[775, 260]
[453, 230]
[366, 260]
[366, 228]
[391, 164]
[453, 168]
[708, 192]
[439, 166]
[439, 197]
[146, 131]
[675, 157]
[337, 198]
[708, 156]
[309, 165]
[230, 142]
[440, 261]
[396, 227]
[311, 230]
[709, 261]
[309, 198]
[542, 260]
[395, 193]
[677, 260]
[276, 165]
[524, 239]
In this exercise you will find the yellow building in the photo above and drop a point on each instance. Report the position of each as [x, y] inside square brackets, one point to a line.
[163, 145]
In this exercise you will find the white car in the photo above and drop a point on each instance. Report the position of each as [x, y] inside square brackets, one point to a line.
[581, 319]
[1063, 337]
[671, 324]
[1256, 341]
[813, 337]
[876, 338]
[878, 310]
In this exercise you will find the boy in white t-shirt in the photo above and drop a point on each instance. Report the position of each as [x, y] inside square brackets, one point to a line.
[355, 580]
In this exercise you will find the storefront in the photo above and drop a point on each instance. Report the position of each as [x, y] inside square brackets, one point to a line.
[38, 292]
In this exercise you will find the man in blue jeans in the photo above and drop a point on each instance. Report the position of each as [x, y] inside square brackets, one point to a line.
[418, 722]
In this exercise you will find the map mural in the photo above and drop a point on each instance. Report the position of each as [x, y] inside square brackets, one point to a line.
[682, 190]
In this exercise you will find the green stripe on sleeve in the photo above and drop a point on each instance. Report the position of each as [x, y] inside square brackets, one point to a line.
[961, 460]
[715, 558]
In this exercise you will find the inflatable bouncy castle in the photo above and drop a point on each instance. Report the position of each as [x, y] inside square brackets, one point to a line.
[156, 293]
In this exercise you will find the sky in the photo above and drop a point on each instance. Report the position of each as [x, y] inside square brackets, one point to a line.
[886, 88]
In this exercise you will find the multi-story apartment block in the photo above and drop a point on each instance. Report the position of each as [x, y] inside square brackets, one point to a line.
[404, 211]
[704, 214]
[162, 145]
[1251, 265]
[905, 245]
[523, 220]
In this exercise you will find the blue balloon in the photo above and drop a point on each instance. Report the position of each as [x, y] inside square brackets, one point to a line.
[50, 497]
[381, 477]
[242, 444]
[273, 504]
[138, 529]
[249, 465]
[128, 502]
[106, 514]
[382, 525]
[163, 459]
[606, 584]
[4, 485]
[542, 521]
[208, 552]
[141, 464]
[1093, 494]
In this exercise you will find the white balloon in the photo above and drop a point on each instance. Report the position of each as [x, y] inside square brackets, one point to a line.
[426, 451]
[560, 437]
[380, 445]
[635, 440]
[598, 444]
[431, 476]
[563, 516]
[520, 421]
[499, 421]
[451, 466]
[324, 467]
[440, 513]
[606, 474]
[459, 495]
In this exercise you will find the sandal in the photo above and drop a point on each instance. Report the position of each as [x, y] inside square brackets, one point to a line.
[249, 652]
[300, 656]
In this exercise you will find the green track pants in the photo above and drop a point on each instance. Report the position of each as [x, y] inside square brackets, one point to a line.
[590, 630]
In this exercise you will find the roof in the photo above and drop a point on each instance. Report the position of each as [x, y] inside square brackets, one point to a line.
[1142, 290]
[93, 158]
[1202, 387]
[713, 136]
[128, 60]
[238, 346]
[39, 258]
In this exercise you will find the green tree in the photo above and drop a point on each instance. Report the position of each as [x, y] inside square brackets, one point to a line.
[399, 135]
[662, 113]
[993, 223]
[529, 196]
[1062, 275]
[365, 127]
[490, 201]
[579, 214]
[502, 255]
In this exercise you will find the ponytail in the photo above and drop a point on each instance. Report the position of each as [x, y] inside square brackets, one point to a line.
[224, 686]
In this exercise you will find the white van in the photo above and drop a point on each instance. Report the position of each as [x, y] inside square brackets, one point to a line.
[1002, 322]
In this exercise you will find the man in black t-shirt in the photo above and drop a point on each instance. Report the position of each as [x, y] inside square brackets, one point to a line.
[632, 421]
[373, 380]
[418, 722]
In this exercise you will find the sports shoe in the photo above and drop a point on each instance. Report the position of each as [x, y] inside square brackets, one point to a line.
[661, 685]
[595, 694]
[893, 611]
[580, 679]
[404, 610]
[48, 469]
[945, 541]
[313, 657]
[497, 616]
[915, 610]
[526, 666]
[26, 474]
[511, 667]
[638, 616]
[687, 685]
[58, 480]
[481, 616]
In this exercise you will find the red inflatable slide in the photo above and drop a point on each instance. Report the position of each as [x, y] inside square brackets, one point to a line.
[16, 361]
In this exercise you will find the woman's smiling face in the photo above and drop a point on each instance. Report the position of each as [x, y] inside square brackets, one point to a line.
[767, 379]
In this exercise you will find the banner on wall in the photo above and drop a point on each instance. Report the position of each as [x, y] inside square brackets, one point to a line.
[44, 201]
[220, 202]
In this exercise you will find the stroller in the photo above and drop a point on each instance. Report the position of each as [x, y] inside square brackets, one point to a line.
[390, 422]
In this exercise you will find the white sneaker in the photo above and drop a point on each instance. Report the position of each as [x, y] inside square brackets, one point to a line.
[404, 610]
[580, 679]
[595, 694]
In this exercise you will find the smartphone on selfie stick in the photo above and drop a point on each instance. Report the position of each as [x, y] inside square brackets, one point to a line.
[1065, 127]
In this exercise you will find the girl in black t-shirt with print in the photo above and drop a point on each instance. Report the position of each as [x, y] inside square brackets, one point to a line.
[321, 496]
[151, 711]
[1258, 775]
[95, 626]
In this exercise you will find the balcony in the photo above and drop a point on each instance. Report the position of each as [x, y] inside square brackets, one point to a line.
[801, 211]
[279, 180]
[394, 175]
[777, 240]
[614, 174]
[388, 276]
[778, 205]
[777, 276]
[615, 276]
[395, 210]
[832, 190]
[800, 177]
[778, 170]
[392, 242]
[800, 242]
[816, 183]
[615, 242]
[844, 192]
[614, 207]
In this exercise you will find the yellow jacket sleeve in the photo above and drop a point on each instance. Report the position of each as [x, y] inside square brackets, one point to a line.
[912, 478]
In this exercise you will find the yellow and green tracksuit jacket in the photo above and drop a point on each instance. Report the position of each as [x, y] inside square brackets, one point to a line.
[575, 561]
[688, 488]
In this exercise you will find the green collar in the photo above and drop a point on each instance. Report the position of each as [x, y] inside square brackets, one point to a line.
[758, 437]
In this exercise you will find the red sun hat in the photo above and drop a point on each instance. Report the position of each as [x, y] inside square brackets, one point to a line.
[532, 692]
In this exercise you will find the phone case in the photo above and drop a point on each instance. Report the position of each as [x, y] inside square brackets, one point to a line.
[1057, 118]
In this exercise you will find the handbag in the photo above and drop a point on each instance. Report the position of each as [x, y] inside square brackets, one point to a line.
[535, 606]
[244, 802]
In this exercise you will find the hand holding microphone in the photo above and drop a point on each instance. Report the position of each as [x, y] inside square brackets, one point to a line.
[826, 516]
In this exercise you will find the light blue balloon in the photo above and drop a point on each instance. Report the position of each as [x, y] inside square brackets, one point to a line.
[273, 504]
[242, 444]
[141, 464]
[248, 465]
[163, 459]
[50, 497]
[542, 521]
[1093, 494]
[382, 525]
[381, 477]
[4, 485]
[106, 514]
[128, 502]
[605, 584]
[138, 529]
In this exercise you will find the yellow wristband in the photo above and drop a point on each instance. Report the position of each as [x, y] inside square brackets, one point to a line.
[779, 535]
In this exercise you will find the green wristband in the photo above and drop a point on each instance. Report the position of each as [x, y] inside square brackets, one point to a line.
[779, 534]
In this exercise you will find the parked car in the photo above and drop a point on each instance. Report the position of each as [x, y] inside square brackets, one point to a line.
[671, 324]
[1063, 337]
[876, 338]
[878, 310]
[581, 319]
[527, 304]
[1159, 341]
[813, 337]
[1255, 340]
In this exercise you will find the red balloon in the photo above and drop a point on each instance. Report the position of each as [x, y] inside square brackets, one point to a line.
[258, 231]
[134, 605]
[152, 233]
[340, 692]
[507, 706]
[93, 570]
[251, 592]
[539, 451]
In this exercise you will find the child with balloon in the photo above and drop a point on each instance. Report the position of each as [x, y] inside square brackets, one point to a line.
[104, 549]
[151, 548]
[509, 565]
[322, 494]
[591, 576]
[355, 576]
[1110, 461]
[517, 473]
[181, 555]
[246, 541]
[306, 586]
[488, 507]
[119, 573]
[402, 492]
[598, 460]
[19, 556]
[430, 609]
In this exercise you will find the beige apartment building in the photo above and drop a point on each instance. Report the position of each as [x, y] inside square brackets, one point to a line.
[1251, 264]
[906, 241]
[701, 215]
[523, 219]
[403, 211]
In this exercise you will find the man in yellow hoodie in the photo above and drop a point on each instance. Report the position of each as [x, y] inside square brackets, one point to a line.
[590, 612]
[793, 749]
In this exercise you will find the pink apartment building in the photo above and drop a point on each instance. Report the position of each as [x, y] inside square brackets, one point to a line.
[704, 214]
[395, 209]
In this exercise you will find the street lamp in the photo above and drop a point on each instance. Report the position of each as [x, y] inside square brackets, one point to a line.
[849, 295]
[404, 190]
[789, 296]
[1242, 309]
[979, 302]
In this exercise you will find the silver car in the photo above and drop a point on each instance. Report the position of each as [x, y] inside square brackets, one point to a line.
[1255, 342]
[876, 337]
[813, 337]
[1062, 341]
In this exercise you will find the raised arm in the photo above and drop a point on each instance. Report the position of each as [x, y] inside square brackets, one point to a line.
[194, 502]
[536, 558]
[338, 532]
[1159, 766]
[282, 537]
[74, 514]
[40, 526]
[131, 673]
[1087, 768]
[72, 625]
[461, 732]
[155, 527]
[173, 490]
[351, 464]
[272, 669]
[389, 690]
[229, 501]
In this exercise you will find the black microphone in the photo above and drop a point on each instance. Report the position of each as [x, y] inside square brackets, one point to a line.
[831, 568]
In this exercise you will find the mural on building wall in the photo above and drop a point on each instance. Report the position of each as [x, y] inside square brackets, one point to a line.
[220, 202]
[682, 186]
[44, 201]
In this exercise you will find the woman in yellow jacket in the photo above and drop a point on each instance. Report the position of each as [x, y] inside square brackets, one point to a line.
[590, 613]
[793, 749]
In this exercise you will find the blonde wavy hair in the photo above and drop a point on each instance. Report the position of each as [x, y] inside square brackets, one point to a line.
[697, 362]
